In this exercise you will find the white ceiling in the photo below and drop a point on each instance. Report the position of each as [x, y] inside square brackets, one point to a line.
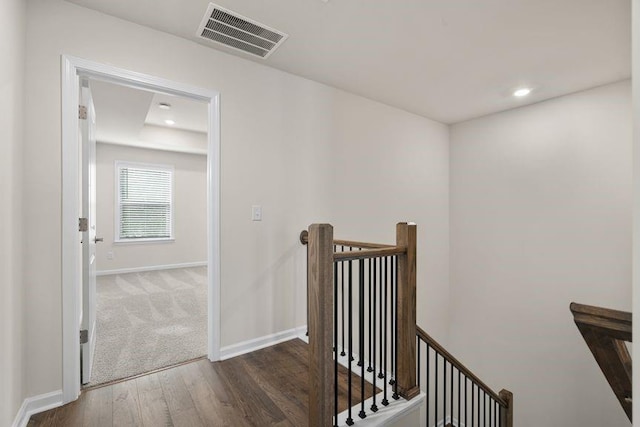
[128, 116]
[186, 113]
[449, 60]
[120, 111]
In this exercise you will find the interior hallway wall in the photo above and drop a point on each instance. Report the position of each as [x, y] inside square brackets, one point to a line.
[282, 137]
[541, 217]
[392, 169]
[189, 210]
[635, 78]
[12, 49]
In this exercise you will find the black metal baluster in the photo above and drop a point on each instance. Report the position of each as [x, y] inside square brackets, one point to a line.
[392, 325]
[362, 414]
[444, 390]
[396, 396]
[451, 397]
[335, 341]
[342, 353]
[473, 401]
[478, 408]
[385, 401]
[380, 277]
[349, 419]
[493, 411]
[335, 299]
[371, 299]
[485, 409]
[427, 382]
[459, 393]
[466, 403]
[435, 407]
[350, 324]
[374, 407]
[360, 310]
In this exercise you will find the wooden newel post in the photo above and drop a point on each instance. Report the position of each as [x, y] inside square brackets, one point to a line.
[407, 384]
[506, 417]
[320, 306]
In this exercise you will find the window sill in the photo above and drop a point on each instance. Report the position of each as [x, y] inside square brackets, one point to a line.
[142, 241]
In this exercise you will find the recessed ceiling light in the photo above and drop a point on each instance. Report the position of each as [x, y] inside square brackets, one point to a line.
[522, 92]
[164, 106]
[170, 122]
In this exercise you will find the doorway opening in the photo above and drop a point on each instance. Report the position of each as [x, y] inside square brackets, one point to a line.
[145, 195]
[141, 171]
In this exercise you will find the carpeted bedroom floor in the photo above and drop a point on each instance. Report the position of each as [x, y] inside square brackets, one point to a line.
[149, 320]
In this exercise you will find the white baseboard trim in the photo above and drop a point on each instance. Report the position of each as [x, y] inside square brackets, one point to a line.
[36, 404]
[258, 343]
[151, 268]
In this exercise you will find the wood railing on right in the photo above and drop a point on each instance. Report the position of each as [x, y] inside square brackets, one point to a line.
[361, 311]
[606, 332]
[361, 306]
[456, 396]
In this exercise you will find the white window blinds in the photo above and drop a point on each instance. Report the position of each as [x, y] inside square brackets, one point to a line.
[145, 197]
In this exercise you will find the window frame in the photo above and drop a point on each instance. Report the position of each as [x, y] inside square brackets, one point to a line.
[120, 164]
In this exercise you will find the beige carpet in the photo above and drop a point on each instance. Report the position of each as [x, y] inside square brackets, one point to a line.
[147, 321]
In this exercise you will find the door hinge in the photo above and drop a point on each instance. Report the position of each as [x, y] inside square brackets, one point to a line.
[84, 336]
[83, 224]
[82, 112]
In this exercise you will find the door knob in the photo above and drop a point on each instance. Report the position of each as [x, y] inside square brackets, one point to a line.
[98, 239]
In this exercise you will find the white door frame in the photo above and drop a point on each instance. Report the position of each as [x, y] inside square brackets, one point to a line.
[72, 67]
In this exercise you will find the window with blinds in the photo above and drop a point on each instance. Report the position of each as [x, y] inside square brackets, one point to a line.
[144, 202]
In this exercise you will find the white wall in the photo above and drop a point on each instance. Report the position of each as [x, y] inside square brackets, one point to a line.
[541, 217]
[281, 136]
[12, 50]
[395, 168]
[635, 41]
[189, 210]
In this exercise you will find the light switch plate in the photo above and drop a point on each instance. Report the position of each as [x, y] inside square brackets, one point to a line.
[256, 213]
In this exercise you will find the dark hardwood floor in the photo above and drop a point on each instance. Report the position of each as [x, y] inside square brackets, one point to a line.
[268, 387]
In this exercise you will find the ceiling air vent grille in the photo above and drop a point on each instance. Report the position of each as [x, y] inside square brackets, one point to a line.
[223, 26]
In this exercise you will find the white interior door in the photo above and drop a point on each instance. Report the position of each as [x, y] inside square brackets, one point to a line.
[89, 239]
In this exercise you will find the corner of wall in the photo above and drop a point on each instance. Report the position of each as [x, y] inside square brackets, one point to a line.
[13, 19]
[635, 53]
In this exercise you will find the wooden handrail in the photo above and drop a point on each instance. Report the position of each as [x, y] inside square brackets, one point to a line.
[614, 323]
[369, 253]
[605, 331]
[455, 362]
[304, 239]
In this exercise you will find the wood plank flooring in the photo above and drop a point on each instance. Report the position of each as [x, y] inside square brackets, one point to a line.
[268, 387]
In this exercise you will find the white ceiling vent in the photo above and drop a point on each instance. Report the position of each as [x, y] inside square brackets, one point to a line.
[238, 32]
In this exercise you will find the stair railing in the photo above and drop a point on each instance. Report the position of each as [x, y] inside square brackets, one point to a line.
[606, 332]
[361, 315]
[456, 396]
[361, 308]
